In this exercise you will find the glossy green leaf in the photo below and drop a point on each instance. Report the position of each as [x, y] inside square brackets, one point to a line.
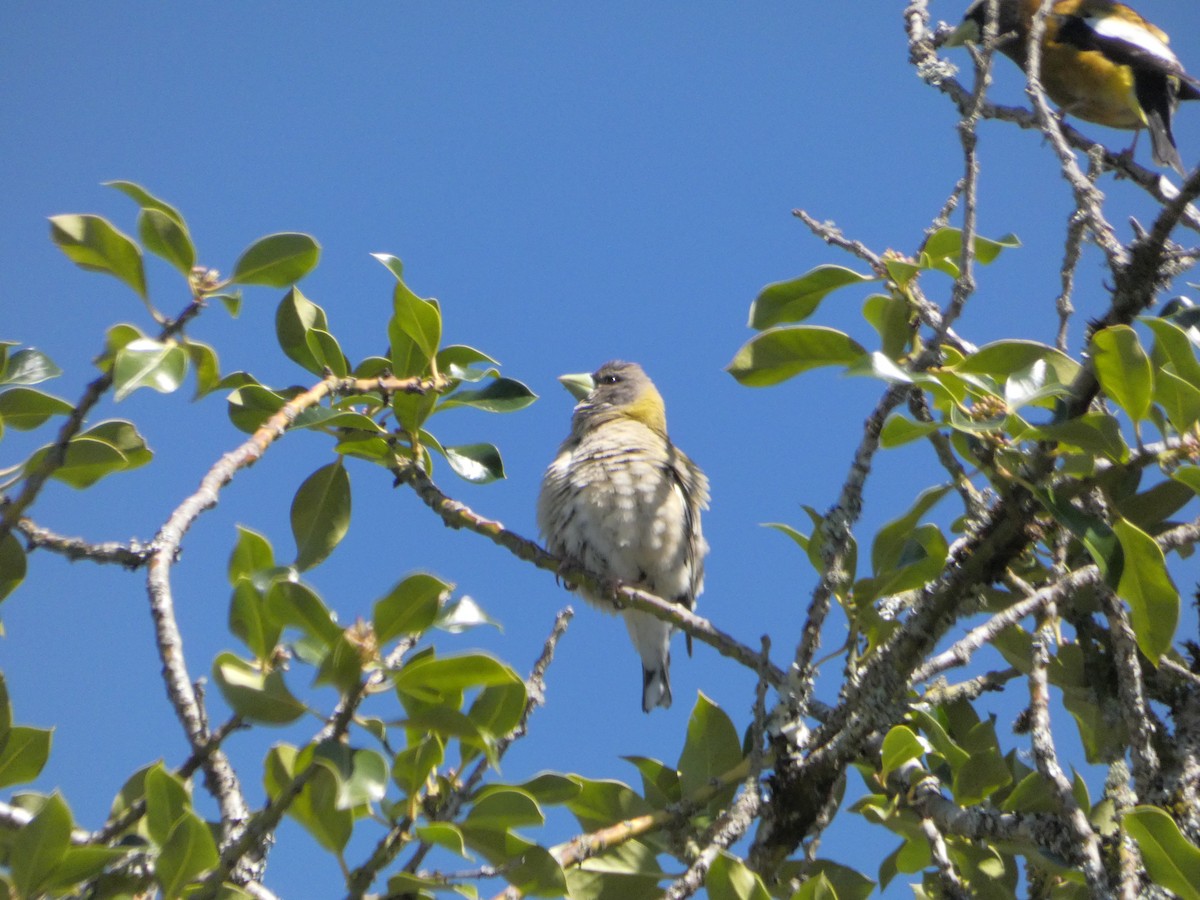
[81, 864]
[145, 199]
[900, 745]
[204, 362]
[601, 803]
[785, 302]
[37, 849]
[86, 462]
[535, 873]
[166, 236]
[290, 603]
[250, 622]
[251, 554]
[500, 395]
[502, 809]
[476, 463]
[463, 615]
[362, 775]
[411, 766]
[123, 435]
[189, 851]
[1171, 860]
[13, 565]
[320, 514]
[660, 782]
[417, 319]
[1146, 586]
[252, 405]
[1002, 359]
[158, 365]
[260, 697]
[943, 250]
[24, 409]
[315, 807]
[730, 879]
[781, 353]
[889, 316]
[28, 366]
[465, 363]
[92, 243]
[985, 771]
[1173, 348]
[1095, 533]
[432, 678]
[326, 350]
[712, 747]
[498, 709]
[1032, 794]
[1178, 398]
[1092, 432]
[167, 802]
[881, 366]
[899, 430]
[277, 260]
[1123, 369]
[410, 607]
[24, 754]
[295, 316]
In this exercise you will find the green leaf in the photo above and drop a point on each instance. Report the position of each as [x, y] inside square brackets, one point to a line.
[189, 851]
[166, 236]
[535, 873]
[985, 771]
[251, 554]
[660, 782]
[900, 745]
[411, 766]
[431, 678]
[85, 463]
[943, 250]
[465, 363]
[167, 802]
[729, 879]
[501, 395]
[899, 430]
[13, 564]
[204, 361]
[295, 317]
[6, 719]
[1147, 588]
[320, 514]
[712, 747]
[260, 697]
[277, 260]
[27, 367]
[251, 405]
[24, 754]
[601, 803]
[158, 365]
[781, 353]
[1096, 535]
[37, 849]
[476, 463]
[794, 301]
[417, 319]
[297, 605]
[411, 607]
[1178, 398]
[92, 243]
[362, 775]
[1123, 369]
[889, 316]
[24, 408]
[1003, 359]
[145, 199]
[1171, 860]
[1173, 347]
[249, 621]
[315, 807]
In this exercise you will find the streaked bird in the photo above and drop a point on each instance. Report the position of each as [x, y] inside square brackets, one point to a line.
[624, 502]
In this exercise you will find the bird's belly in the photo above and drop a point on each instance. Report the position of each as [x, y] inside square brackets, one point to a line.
[1096, 91]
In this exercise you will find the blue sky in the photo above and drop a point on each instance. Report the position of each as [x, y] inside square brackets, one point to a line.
[574, 183]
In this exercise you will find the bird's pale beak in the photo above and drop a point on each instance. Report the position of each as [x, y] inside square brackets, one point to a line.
[966, 33]
[579, 384]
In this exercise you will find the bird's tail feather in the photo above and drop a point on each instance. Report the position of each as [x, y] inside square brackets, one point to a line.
[656, 688]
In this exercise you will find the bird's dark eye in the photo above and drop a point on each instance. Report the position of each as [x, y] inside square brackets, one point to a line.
[609, 379]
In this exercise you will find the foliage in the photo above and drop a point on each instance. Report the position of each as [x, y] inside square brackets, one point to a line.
[1068, 472]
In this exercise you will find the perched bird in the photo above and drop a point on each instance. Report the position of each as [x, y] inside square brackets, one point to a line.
[624, 502]
[1101, 61]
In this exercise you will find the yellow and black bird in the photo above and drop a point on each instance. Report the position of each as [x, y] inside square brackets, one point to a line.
[1101, 61]
[624, 502]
